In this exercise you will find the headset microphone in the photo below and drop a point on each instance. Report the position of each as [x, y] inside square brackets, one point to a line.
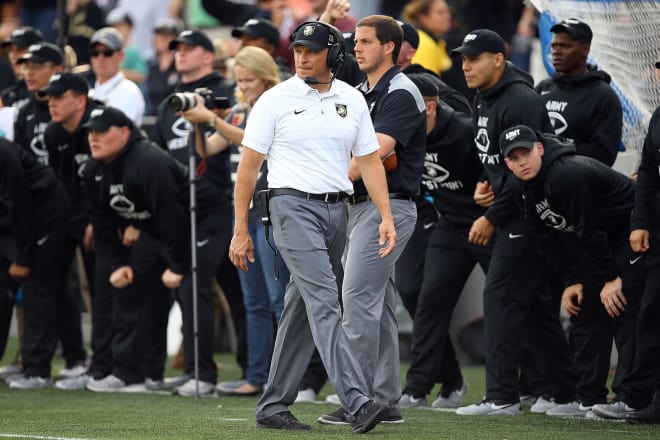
[313, 81]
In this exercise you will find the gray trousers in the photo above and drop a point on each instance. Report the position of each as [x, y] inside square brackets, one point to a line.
[311, 236]
[369, 296]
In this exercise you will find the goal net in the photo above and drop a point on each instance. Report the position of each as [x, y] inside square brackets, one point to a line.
[626, 44]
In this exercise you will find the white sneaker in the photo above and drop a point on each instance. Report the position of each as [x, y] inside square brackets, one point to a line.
[31, 383]
[189, 389]
[615, 410]
[176, 381]
[408, 401]
[452, 400]
[572, 409]
[109, 384]
[73, 383]
[543, 405]
[489, 408]
[306, 396]
[74, 371]
[10, 370]
[333, 398]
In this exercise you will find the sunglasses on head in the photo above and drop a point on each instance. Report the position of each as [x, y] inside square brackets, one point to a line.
[106, 53]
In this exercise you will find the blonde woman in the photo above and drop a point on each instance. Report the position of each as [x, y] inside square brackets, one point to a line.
[255, 72]
[432, 18]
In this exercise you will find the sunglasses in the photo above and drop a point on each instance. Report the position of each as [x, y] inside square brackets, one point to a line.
[106, 53]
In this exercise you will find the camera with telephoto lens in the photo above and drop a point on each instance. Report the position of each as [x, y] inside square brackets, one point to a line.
[184, 101]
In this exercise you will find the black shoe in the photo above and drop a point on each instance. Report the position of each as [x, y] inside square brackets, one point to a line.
[283, 420]
[650, 414]
[368, 416]
[338, 417]
[393, 417]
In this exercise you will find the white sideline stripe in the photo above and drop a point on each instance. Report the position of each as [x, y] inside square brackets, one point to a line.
[40, 437]
[233, 420]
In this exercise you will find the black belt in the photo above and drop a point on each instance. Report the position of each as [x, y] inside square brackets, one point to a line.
[352, 200]
[331, 197]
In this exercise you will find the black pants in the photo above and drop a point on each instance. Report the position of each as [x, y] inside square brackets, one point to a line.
[140, 311]
[409, 268]
[516, 278]
[212, 249]
[6, 303]
[102, 307]
[449, 261]
[44, 294]
[638, 383]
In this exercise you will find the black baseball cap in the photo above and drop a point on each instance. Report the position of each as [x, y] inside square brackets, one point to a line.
[577, 29]
[518, 136]
[314, 35]
[410, 34]
[427, 87]
[24, 36]
[256, 28]
[108, 36]
[41, 53]
[192, 38]
[479, 41]
[101, 119]
[61, 82]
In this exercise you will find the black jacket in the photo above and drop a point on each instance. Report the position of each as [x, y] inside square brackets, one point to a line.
[143, 187]
[213, 186]
[30, 196]
[584, 198]
[30, 126]
[585, 109]
[16, 95]
[510, 102]
[67, 154]
[647, 197]
[452, 167]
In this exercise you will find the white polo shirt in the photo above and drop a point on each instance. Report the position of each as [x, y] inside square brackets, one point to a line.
[308, 137]
[122, 93]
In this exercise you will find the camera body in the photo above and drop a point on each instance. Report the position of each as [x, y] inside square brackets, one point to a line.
[184, 101]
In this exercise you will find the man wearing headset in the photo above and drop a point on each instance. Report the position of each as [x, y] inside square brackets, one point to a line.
[307, 127]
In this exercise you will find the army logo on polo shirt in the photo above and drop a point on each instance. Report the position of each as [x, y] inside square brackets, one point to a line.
[341, 110]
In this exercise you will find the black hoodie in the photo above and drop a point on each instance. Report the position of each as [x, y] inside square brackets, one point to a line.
[512, 101]
[144, 187]
[647, 199]
[584, 198]
[213, 187]
[451, 167]
[585, 109]
[29, 199]
[67, 154]
[29, 128]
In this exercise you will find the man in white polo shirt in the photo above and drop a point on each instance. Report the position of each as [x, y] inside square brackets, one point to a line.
[307, 127]
[111, 87]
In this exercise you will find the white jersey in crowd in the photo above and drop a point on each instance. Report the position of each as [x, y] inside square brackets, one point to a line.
[308, 137]
[121, 93]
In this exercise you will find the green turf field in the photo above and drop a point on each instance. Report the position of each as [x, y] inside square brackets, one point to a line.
[55, 414]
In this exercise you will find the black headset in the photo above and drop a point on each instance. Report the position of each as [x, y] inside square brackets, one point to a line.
[336, 51]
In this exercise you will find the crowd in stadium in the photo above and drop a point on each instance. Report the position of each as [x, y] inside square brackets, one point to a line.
[313, 163]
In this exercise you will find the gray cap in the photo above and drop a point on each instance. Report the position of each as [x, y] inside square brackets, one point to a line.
[109, 37]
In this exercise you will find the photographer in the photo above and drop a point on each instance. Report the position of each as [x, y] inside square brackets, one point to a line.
[194, 54]
[255, 72]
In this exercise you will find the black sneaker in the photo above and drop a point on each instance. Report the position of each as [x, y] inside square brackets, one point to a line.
[394, 416]
[283, 420]
[650, 414]
[368, 416]
[338, 417]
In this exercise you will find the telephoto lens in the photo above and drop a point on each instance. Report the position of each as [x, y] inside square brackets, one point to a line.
[181, 102]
